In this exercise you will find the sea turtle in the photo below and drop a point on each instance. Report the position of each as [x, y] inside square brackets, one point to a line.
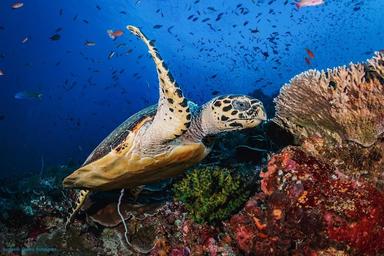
[162, 140]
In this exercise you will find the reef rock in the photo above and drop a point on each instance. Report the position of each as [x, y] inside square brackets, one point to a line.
[308, 207]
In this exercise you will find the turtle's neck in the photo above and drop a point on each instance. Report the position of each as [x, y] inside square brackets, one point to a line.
[195, 131]
[201, 126]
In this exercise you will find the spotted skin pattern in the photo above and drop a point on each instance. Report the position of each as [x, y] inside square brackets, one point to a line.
[234, 112]
[173, 116]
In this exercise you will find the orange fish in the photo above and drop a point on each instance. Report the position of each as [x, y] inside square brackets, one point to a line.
[115, 34]
[17, 5]
[307, 60]
[310, 53]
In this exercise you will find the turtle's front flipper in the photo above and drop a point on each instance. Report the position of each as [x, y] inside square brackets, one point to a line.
[81, 197]
[173, 116]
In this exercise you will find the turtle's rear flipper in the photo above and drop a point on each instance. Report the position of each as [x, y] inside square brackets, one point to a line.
[173, 115]
[81, 197]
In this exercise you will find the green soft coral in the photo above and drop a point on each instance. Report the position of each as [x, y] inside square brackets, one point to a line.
[211, 194]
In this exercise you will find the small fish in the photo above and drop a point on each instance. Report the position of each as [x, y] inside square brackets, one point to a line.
[310, 53]
[308, 61]
[89, 43]
[215, 93]
[306, 3]
[157, 26]
[2, 72]
[169, 29]
[17, 5]
[219, 16]
[114, 34]
[27, 95]
[25, 39]
[55, 37]
[111, 54]
[254, 30]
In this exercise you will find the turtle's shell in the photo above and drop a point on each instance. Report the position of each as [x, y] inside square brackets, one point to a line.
[116, 163]
[118, 135]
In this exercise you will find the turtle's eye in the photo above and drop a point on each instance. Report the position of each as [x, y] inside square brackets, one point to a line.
[241, 105]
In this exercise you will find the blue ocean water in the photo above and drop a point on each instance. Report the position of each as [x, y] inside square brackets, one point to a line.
[210, 47]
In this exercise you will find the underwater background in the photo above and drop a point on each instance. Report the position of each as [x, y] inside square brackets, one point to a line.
[90, 83]
[307, 180]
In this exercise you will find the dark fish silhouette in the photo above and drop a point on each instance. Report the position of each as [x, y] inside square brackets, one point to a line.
[219, 16]
[157, 26]
[55, 37]
[170, 29]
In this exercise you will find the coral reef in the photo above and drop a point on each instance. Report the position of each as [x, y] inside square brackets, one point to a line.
[338, 116]
[211, 194]
[305, 207]
[308, 207]
[341, 104]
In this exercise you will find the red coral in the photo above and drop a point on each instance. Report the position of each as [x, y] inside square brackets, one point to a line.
[307, 207]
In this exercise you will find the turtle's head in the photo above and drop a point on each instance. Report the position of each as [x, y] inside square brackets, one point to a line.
[233, 112]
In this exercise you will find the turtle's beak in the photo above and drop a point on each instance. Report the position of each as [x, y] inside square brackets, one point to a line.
[263, 116]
